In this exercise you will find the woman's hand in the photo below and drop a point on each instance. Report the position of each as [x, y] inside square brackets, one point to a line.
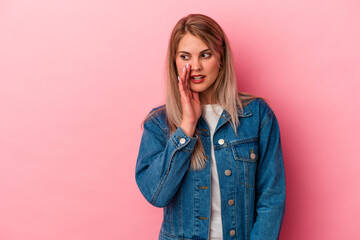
[191, 108]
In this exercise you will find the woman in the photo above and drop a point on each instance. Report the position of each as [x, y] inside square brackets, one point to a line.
[211, 157]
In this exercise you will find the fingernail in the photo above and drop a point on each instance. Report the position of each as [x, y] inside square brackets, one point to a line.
[178, 78]
[187, 65]
[183, 69]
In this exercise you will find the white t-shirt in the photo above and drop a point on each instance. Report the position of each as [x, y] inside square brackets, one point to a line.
[215, 231]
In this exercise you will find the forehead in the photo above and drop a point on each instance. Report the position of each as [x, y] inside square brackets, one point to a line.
[190, 43]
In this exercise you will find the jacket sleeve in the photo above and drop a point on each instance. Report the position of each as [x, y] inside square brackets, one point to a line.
[162, 162]
[270, 182]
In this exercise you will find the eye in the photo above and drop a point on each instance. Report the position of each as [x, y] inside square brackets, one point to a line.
[184, 57]
[207, 55]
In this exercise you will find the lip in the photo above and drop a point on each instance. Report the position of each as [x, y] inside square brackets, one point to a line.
[197, 80]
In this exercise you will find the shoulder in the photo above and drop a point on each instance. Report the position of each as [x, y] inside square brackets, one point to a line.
[156, 112]
[157, 116]
[254, 105]
[259, 109]
[258, 105]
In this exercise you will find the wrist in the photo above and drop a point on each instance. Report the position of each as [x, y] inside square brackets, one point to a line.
[188, 128]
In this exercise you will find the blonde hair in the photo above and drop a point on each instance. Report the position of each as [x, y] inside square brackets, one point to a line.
[225, 91]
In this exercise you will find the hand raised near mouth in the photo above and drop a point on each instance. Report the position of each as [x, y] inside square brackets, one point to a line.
[190, 103]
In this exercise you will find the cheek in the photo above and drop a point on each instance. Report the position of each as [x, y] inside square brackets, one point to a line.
[179, 66]
[214, 67]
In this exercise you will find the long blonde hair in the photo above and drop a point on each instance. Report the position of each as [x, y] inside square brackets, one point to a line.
[225, 91]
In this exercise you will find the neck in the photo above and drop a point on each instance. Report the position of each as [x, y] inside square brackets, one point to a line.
[205, 99]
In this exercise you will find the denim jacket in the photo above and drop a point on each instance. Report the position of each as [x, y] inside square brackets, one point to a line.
[250, 168]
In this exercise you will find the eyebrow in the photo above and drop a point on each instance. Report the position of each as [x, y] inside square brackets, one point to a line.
[189, 53]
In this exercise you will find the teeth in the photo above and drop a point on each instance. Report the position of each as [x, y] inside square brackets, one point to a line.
[197, 78]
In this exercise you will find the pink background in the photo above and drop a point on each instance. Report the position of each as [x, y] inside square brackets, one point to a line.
[78, 77]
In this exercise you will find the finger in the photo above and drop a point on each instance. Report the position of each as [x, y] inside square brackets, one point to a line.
[182, 78]
[188, 72]
[183, 73]
[182, 91]
[185, 83]
[187, 79]
[181, 85]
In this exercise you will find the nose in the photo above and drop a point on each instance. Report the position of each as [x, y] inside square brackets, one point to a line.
[196, 65]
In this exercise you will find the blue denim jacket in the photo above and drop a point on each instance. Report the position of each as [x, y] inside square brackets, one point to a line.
[250, 168]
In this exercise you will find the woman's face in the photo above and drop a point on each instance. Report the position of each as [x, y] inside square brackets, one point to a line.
[202, 61]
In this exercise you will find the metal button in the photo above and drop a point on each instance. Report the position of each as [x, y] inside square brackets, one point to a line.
[232, 233]
[221, 141]
[231, 202]
[227, 172]
[252, 155]
[182, 140]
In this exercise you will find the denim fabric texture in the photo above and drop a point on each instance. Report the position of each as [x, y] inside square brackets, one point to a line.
[250, 168]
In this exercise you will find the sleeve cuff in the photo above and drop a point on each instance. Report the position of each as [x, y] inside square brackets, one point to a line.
[183, 141]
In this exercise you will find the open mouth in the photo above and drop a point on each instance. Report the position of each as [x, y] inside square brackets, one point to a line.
[197, 79]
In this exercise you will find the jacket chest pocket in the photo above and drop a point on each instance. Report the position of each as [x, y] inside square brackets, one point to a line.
[246, 155]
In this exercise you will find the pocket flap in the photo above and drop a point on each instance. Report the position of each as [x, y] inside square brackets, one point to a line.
[245, 151]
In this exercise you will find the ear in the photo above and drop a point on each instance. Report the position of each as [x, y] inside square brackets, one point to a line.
[220, 64]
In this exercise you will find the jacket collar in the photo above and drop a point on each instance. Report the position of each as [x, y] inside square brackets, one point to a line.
[245, 113]
[225, 117]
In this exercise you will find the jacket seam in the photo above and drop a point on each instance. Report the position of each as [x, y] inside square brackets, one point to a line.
[163, 179]
[247, 140]
[267, 118]
[174, 237]
[156, 121]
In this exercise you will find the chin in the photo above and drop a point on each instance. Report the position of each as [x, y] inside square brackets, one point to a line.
[197, 89]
